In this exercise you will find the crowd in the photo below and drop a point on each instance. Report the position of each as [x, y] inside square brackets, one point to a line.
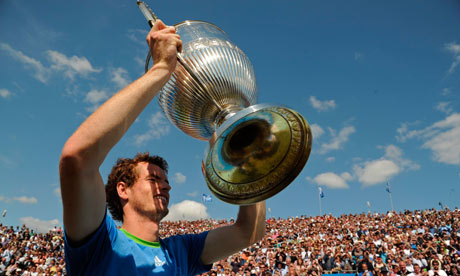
[25, 252]
[415, 243]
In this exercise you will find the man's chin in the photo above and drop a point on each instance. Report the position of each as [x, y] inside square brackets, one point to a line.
[163, 213]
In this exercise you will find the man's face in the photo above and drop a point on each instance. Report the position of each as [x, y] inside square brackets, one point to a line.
[402, 266]
[364, 266]
[149, 195]
[408, 262]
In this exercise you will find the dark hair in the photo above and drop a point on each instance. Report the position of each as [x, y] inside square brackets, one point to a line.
[124, 171]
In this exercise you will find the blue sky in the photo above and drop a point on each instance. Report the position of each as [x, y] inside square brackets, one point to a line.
[379, 83]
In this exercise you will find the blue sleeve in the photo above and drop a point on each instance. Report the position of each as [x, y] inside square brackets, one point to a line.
[80, 259]
[186, 250]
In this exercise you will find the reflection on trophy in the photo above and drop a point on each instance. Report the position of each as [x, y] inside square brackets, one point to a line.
[255, 150]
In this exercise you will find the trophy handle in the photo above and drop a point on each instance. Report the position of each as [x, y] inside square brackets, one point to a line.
[147, 12]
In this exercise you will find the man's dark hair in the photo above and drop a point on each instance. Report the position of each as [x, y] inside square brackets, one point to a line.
[125, 171]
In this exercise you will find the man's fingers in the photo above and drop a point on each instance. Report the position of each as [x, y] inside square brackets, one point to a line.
[179, 46]
[177, 42]
[159, 25]
[169, 29]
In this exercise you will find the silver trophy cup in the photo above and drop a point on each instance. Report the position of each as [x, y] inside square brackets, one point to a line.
[255, 150]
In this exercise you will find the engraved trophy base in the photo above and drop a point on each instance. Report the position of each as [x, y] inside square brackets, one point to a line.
[256, 153]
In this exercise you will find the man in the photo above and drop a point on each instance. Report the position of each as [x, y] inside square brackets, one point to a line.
[394, 270]
[419, 260]
[365, 271]
[417, 271]
[94, 245]
[378, 263]
[436, 269]
[328, 261]
[365, 260]
[409, 266]
[402, 269]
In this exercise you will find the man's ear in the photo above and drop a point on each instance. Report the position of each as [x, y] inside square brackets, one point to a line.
[122, 190]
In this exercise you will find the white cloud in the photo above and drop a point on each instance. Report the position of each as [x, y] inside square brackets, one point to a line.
[453, 47]
[5, 93]
[455, 50]
[7, 162]
[380, 170]
[454, 64]
[42, 226]
[71, 66]
[405, 134]
[376, 171]
[445, 146]
[57, 192]
[446, 91]
[330, 159]
[120, 77]
[332, 180]
[158, 127]
[187, 210]
[395, 154]
[141, 139]
[26, 200]
[20, 199]
[140, 61]
[338, 140]
[179, 178]
[41, 73]
[442, 138]
[95, 98]
[193, 194]
[444, 107]
[358, 56]
[347, 176]
[5, 199]
[316, 131]
[322, 105]
[138, 36]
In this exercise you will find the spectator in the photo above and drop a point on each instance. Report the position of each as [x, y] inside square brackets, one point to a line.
[418, 271]
[366, 271]
[436, 269]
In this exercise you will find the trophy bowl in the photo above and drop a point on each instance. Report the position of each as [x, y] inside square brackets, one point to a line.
[255, 150]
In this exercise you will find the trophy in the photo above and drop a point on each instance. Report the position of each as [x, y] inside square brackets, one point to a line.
[255, 150]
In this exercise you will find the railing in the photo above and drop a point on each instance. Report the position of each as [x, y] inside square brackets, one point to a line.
[340, 271]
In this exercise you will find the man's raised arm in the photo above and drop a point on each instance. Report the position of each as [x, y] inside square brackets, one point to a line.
[82, 188]
[247, 230]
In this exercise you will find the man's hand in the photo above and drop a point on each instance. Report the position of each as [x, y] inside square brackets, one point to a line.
[248, 229]
[164, 44]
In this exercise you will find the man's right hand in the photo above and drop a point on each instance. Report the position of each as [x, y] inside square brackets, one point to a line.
[164, 44]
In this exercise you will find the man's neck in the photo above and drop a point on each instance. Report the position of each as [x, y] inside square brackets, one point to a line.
[142, 228]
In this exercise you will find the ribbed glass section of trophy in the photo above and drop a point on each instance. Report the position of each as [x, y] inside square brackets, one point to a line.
[255, 150]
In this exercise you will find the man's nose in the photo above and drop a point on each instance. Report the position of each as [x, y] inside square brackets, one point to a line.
[164, 186]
